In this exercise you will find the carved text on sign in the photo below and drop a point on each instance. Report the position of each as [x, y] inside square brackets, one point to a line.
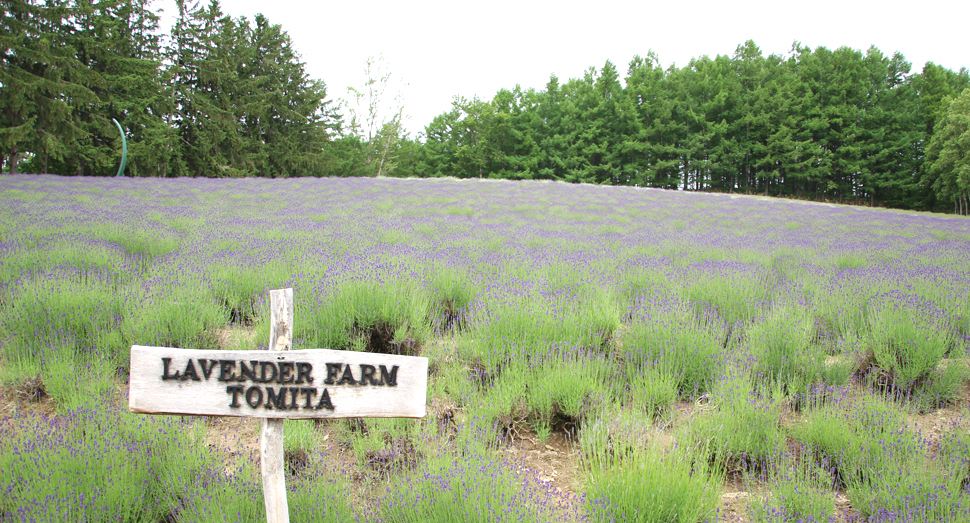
[264, 373]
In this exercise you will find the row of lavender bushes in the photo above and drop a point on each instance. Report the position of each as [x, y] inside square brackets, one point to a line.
[542, 307]
[99, 463]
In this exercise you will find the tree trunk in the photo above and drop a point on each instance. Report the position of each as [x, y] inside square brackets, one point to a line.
[14, 158]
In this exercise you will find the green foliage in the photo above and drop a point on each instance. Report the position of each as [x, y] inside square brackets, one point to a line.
[826, 124]
[941, 387]
[73, 381]
[140, 244]
[451, 294]
[734, 296]
[298, 435]
[783, 346]
[907, 345]
[562, 386]
[97, 463]
[650, 389]
[586, 318]
[948, 153]
[669, 337]
[239, 289]
[389, 316]
[862, 439]
[468, 488]
[65, 312]
[228, 98]
[677, 482]
[799, 489]
[613, 435]
[384, 446]
[45, 82]
[41, 253]
[743, 429]
[237, 496]
[187, 319]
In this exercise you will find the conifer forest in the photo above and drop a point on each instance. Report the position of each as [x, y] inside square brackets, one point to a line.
[219, 96]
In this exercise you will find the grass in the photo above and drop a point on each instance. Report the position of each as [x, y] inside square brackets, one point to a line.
[659, 341]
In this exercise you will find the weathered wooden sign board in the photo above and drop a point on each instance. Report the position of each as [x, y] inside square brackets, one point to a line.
[274, 385]
[302, 384]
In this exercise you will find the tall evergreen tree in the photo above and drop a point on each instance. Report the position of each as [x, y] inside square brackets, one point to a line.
[948, 153]
[287, 120]
[45, 88]
[118, 41]
[204, 84]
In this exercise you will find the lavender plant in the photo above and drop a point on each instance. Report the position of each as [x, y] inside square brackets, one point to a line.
[469, 488]
[96, 464]
[800, 489]
[664, 333]
[907, 344]
[782, 345]
[742, 430]
[655, 485]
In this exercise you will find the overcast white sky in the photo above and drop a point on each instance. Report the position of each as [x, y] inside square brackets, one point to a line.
[443, 49]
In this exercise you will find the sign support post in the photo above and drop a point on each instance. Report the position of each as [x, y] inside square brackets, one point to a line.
[271, 432]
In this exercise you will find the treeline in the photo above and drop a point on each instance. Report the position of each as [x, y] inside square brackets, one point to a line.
[217, 97]
[836, 125]
[230, 97]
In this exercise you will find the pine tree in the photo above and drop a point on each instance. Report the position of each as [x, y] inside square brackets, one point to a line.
[204, 84]
[45, 88]
[892, 132]
[286, 118]
[118, 41]
[549, 132]
[948, 154]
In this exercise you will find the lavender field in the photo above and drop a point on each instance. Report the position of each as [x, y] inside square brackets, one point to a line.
[596, 353]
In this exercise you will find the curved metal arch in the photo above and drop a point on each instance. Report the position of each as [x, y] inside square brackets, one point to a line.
[124, 149]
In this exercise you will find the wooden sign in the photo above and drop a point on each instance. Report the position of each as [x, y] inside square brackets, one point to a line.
[301, 384]
[274, 385]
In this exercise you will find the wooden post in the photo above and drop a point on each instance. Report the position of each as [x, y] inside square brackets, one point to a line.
[271, 434]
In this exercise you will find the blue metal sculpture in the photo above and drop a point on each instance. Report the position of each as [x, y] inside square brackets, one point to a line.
[124, 148]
